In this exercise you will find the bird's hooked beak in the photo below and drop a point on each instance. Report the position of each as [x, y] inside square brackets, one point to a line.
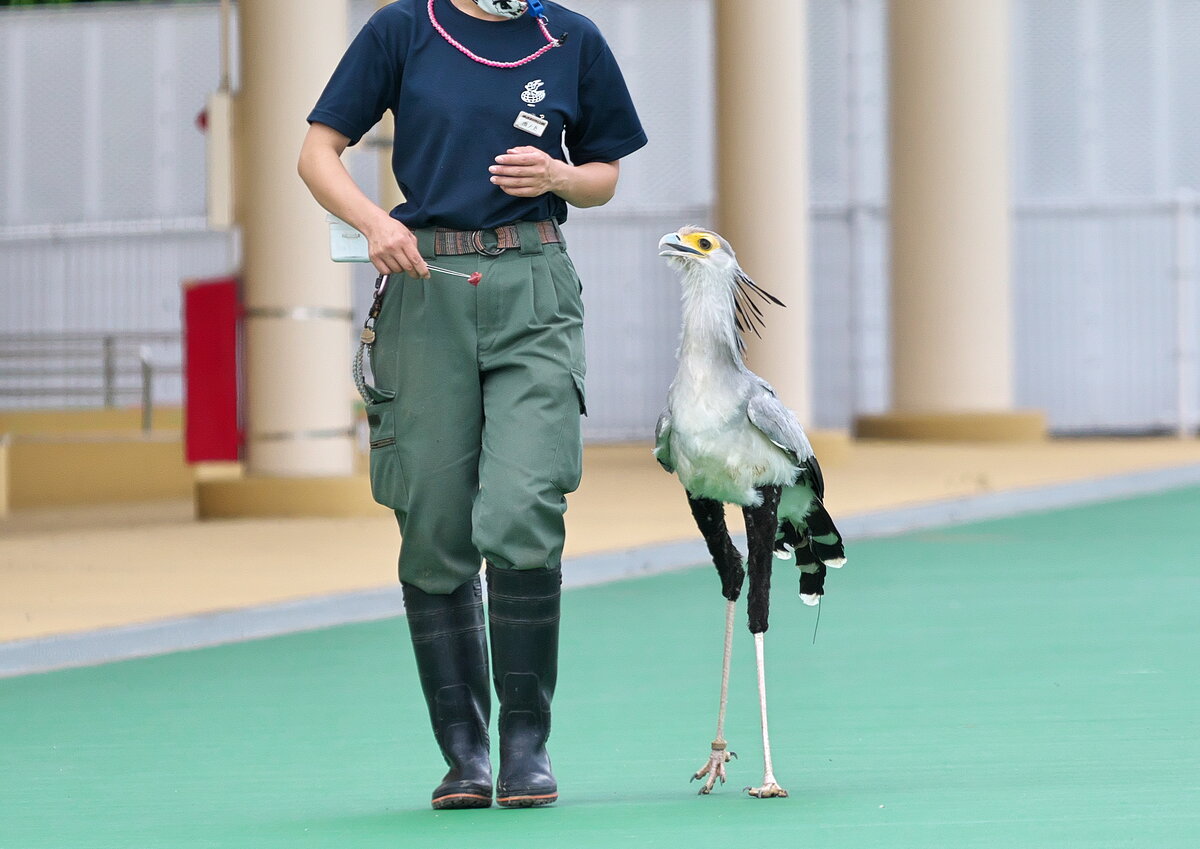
[672, 245]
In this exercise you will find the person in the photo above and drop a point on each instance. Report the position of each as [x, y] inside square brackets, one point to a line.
[478, 373]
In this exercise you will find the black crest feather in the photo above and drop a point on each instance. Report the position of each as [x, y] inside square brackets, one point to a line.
[748, 314]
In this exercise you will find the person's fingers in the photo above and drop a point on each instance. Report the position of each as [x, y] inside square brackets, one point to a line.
[522, 172]
[386, 263]
[416, 262]
[408, 256]
[519, 161]
[517, 180]
[523, 191]
[516, 170]
[395, 251]
[520, 187]
[523, 156]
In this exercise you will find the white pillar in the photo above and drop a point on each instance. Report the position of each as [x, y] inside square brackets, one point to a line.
[297, 358]
[762, 176]
[952, 348]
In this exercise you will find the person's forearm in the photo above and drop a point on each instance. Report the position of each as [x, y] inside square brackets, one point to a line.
[590, 184]
[391, 246]
[331, 185]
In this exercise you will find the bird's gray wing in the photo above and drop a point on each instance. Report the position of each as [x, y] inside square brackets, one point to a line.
[777, 423]
[662, 441]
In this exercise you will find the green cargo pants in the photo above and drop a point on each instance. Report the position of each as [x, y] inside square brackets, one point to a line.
[475, 436]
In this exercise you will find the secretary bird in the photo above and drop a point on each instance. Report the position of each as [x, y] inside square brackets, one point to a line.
[731, 440]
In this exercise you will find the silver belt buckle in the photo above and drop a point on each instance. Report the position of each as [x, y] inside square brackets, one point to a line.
[477, 243]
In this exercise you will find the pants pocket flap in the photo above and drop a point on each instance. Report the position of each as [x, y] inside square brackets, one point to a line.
[578, 379]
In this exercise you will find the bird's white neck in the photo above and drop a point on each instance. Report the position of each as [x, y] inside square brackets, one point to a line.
[708, 335]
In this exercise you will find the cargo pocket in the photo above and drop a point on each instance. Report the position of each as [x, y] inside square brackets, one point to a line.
[568, 455]
[387, 478]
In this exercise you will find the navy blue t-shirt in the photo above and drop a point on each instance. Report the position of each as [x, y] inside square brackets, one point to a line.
[454, 116]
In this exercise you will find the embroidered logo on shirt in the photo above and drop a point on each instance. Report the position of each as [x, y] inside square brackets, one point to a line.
[533, 92]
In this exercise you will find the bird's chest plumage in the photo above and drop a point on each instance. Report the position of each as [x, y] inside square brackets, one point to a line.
[718, 452]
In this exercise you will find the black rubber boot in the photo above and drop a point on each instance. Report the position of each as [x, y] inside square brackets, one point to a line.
[523, 611]
[451, 650]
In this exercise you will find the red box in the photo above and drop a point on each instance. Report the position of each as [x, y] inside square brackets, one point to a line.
[212, 331]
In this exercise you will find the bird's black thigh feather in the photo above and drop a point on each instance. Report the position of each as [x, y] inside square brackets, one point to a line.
[710, 519]
[761, 525]
[790, 535]
[813, 583]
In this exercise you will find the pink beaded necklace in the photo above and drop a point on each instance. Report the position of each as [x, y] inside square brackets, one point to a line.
[552, 42]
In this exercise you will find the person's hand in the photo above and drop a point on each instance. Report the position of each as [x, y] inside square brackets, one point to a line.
[393, 249]
[526, 172]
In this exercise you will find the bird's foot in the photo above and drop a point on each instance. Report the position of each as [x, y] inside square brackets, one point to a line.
[769, 790]
[715, 768]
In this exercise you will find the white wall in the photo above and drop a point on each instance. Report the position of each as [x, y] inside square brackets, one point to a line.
[101, 213]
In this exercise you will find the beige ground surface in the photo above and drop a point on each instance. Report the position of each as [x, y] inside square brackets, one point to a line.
[84, 568]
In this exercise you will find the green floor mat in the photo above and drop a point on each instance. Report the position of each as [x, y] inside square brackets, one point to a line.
[1028, 682]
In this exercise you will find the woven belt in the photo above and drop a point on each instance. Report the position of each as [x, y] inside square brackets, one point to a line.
[448, 242]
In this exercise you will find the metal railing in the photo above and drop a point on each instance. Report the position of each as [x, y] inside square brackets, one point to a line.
[90, 369]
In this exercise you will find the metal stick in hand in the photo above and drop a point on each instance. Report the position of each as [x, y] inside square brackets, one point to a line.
[473, 278]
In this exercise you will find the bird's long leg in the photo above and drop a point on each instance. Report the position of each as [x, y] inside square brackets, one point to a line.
[710, 519]
[715, 768]
[770, 787]
[760, 535]
[730, 610]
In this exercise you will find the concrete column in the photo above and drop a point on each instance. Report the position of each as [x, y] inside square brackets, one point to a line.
[952, 335]
[4, 443]
[762, 177]
[298, 389]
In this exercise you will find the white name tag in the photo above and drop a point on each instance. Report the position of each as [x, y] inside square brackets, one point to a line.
[535, 125]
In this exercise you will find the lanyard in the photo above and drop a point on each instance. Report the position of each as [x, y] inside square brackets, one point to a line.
[535, 7]
[367, 338]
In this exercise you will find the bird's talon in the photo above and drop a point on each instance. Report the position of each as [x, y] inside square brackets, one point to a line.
[770, 790]
[714, 769]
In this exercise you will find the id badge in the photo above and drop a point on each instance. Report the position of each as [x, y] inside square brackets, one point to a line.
[535, 125]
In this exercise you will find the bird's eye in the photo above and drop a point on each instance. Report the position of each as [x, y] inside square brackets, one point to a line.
[705, 244]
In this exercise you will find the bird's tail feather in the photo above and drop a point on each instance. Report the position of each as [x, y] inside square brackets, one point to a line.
[812, 584]
[812, 570]
[817, 545]
[824, 538]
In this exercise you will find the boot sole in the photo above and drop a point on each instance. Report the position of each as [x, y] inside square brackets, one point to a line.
[527, 801]
[459, 801]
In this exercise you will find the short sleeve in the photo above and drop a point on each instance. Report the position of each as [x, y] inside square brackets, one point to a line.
[608, 126]
[363, 86]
